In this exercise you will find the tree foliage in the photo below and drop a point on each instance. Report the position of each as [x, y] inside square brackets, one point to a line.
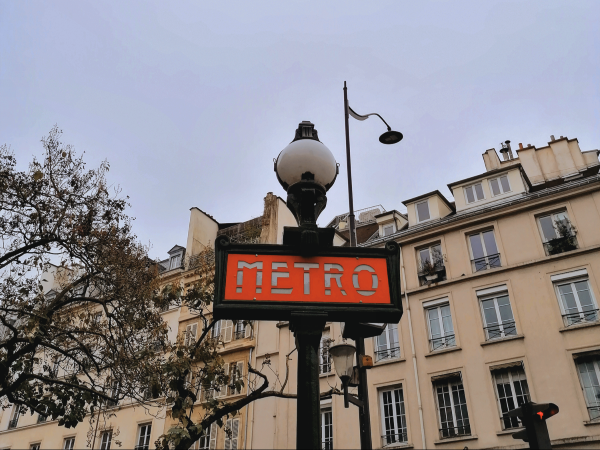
[92, 339]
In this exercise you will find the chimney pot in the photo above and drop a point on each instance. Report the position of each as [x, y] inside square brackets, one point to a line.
[520, 146]
[552, 137]
[562, 137]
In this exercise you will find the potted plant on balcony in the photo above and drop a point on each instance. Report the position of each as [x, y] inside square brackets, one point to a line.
[565, 241]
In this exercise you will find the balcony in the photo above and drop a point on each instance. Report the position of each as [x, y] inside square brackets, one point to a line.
[390, 353]
[451, 432]
[486, 262]
[561, 244]
[580, 317]
[434, 274]
[499, 331]
[594, 412]
[391, 439]
[442, 343]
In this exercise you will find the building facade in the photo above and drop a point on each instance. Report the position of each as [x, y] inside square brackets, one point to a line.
[500, 289]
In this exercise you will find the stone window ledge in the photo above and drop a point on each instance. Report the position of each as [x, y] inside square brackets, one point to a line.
[504, 339]
[383, 362]
[577, 327]
[441, 352]
[456, 439]
[509, 431]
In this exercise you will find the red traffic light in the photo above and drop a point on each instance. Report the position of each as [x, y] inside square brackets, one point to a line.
[544, 410]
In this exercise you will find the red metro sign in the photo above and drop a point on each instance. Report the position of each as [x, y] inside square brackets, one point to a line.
[268, 282]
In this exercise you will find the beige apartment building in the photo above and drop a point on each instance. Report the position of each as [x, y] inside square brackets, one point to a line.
[500, 294]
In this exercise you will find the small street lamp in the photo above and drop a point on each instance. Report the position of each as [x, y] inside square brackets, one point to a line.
[343, 360]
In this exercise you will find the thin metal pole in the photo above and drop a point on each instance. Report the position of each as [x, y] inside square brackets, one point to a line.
[352, 225]
[364, 415]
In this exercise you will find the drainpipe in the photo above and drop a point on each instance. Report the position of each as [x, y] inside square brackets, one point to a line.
[414, 355]
[247, 394]
[255, 332]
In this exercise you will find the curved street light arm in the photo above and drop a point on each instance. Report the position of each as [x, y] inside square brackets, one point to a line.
[366, 116]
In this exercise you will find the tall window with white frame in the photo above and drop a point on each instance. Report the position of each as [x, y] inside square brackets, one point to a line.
[143, 441]
[393, 417]
[498, 320]
[388, 229]
[452, 407]
[386, 344]
[324, 355]
[588, 368]
[576, 301]
[557, 232]
[236, 374]
[105, 440]
[484, 252]
[35, 446]
[326, 428]
[208, 440]
[474, 193]
[431, 264]
[511, 391]
[423, 211]
[499, 185]
[232, 437]
[14, 418]
[69, 443]
[441, 330]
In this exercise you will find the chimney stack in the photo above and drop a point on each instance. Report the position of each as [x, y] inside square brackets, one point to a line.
[506, 151]
[552, 138]
[520, 146]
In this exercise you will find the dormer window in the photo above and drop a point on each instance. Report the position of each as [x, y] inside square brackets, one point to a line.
[474, 193]
[500, 185]
[175, 261]
[422, 211]
[389, 229]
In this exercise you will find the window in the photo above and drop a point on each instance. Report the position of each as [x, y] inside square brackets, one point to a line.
[386, 344]
[589, 374]
[216, 331]
[236, 371]
[231, 441]
[208, 441]
[422, 211]
[97, 317]
[42, 417]
[113, 392]
[388, 229]
[14, 420]
[511, 391]
[558, 235]
[577, 302]
[474, 193]
[242, 329]
[500, 185]
[431, 264]
[190, 334]
[324, 355]
[175, 261]
[393, 417]
[452, 407]
[69, 443]
[144, 437]
[326, 429]
[105, 440]
[34, 446]
[498, 320]
[484, 252]
[441, 331]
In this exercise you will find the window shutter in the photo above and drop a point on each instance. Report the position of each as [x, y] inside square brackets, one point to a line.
[227, 331]
[239, 375]
[193, 334]
[227, 440]
[248, 330]
[223, 389]
[235, 428]
[213, 436]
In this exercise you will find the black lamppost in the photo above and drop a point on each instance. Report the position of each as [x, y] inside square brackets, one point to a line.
[389, 137]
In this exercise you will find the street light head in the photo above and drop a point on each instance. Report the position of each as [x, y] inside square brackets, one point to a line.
[390, 137]
[306, 159]
[343, 359]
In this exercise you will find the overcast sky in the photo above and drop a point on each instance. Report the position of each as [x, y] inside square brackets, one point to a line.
[191, 101]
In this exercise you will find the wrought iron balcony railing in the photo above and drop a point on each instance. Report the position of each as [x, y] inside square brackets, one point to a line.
[580, 317]
[500, 330]
[455, 431]
[391, 439]
[432, 276]
[561, 244]
[441, 343]
[390, 353]
[486, 262]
